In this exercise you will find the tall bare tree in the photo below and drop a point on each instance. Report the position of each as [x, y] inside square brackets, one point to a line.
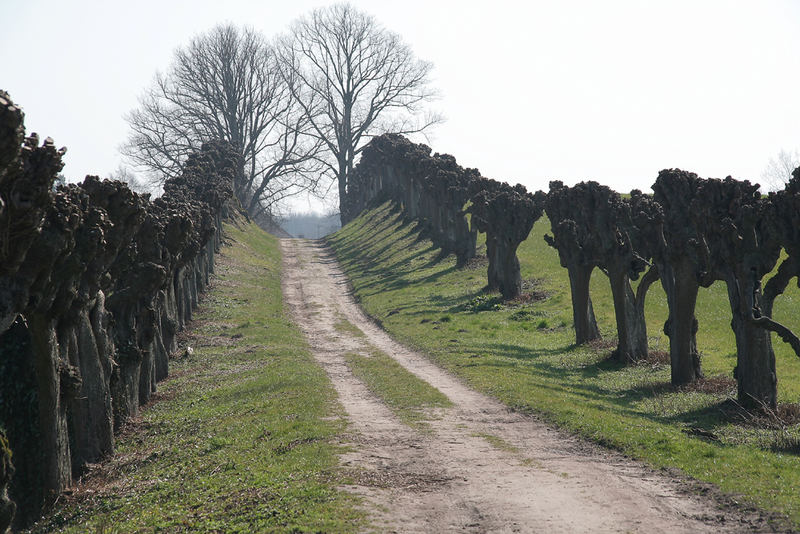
[226, 85]
[354, 80]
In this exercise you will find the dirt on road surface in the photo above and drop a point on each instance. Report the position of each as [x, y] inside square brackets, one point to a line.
[481, 467]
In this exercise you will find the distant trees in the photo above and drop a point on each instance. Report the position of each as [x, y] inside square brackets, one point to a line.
[353, 79]
[778, 171]
[141, 185]
[226, 85]
[295, 112]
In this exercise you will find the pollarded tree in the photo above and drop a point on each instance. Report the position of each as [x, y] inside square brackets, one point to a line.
[593, 227]
[506, 215]
[622, 254]
[28, 170]
[668, 225]
[432, 189]
[226, 85]
[354, 79]
[574, 244]
[785, 214]
[743, 234]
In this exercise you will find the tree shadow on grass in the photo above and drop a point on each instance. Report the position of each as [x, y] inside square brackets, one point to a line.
[701, 422]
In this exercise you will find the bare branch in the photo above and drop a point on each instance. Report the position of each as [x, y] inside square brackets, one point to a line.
[226, 84]
[354, 80]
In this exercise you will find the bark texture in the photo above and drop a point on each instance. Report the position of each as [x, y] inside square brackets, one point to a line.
[7, 506]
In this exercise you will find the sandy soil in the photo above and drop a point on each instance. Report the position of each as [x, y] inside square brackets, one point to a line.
[453, 478]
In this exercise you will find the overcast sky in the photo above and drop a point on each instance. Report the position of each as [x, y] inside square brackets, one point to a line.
[611, 91]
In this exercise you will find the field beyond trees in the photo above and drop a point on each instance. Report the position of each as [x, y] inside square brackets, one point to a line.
[523, 353]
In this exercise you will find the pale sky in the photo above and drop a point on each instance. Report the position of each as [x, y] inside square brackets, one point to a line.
[611, 91]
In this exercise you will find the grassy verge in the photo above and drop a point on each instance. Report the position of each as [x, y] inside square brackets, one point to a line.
[242, 436]
[523, 354]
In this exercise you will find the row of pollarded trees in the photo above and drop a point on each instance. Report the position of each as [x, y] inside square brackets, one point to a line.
[690, 233]
[434, 191]
[95, 283]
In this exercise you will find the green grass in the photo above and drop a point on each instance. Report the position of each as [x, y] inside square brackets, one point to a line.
[343, 326]
[524, 354]
[244, 435]
[410, 398]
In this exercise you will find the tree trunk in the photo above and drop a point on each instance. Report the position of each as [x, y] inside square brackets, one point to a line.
[344, 205]
[680, 284]
[55, 455]
[169, 319]
[7, 506]
[631, 326]
[90, 414]
[125, 376]
[465, 241]
[582, 311]
[755, 360]
[493, 270]
[163, 337]
[19, 416]
[510, 277]
[144, 337]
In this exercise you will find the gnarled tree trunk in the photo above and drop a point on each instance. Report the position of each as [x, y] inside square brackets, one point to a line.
[56, 468]
[582, 312]
[681, 286]
[755, 359]
[91, 418]
[510, 279]
[631, 326]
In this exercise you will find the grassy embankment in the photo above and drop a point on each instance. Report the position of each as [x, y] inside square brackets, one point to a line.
[523, 354]
[242, 435]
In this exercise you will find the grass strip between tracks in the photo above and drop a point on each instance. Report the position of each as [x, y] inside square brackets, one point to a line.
[410, 398]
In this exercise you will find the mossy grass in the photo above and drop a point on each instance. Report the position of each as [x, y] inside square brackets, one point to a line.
[523, 353]
[243, 436]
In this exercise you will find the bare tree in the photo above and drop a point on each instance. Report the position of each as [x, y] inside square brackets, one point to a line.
[140, 184]
[779, 169]
[354, 80]
[225, 85]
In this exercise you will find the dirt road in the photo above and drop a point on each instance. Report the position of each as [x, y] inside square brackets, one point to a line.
[482, 468]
